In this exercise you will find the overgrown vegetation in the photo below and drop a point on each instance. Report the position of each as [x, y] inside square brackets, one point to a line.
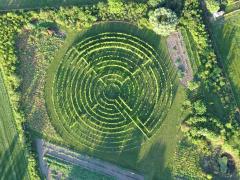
[66, 170]
[36, 47]
[204, 123]
[10, 25]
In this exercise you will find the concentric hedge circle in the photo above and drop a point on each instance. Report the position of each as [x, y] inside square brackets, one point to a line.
[109, 90]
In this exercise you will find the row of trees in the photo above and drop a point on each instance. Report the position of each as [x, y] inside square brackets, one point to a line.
[203, 124]
[160, 19]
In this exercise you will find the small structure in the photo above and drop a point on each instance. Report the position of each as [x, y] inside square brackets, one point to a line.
[216, 15]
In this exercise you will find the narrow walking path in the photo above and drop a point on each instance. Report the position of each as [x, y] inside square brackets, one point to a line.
[83, 161]
[179, 56]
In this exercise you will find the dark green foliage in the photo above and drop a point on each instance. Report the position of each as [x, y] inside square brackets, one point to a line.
[155, 3]
[163, 20]
[212, 5]
[74, 17]
[117, 10]
[203, 123]
[38, 4]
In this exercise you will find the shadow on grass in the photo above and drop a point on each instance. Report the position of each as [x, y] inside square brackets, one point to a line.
[153, 163]
[14, 163]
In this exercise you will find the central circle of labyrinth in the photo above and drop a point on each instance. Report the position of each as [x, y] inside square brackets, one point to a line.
[111, 91]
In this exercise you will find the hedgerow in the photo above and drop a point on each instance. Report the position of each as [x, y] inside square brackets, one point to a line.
[11, 24]
[209, 80]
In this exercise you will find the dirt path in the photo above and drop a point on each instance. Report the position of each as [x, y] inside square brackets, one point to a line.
[179, 56]
[43, 166]
[83, 161]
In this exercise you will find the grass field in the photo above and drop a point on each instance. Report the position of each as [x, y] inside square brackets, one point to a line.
[152, 156]
[33, 4]
[227, 37]
[13, 163]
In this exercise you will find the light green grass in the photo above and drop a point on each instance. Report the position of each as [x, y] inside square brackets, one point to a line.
[155, 156]
[13, 163]
[227, 37]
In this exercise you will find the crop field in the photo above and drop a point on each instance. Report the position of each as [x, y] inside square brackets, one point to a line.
[11, 151]
[227, 38]
[112, 90]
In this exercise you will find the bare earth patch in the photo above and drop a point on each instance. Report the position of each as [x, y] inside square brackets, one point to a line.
[179, 56]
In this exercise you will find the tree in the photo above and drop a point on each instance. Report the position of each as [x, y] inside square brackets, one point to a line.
[116, 7]
[163, 20]
[193, 85]
[155, 3]
[213, 5]
[199, 107]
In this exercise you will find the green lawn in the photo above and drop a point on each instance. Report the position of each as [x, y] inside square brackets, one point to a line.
[13, 163]
[227, 37]
[155, 156]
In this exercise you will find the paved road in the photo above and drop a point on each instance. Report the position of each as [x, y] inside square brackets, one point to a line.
[88, 162]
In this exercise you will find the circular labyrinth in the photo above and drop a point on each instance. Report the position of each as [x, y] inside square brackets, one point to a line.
[111, 91]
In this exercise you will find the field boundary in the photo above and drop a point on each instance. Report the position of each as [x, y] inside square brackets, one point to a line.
[224, 68]
[44, 7]
[219, 57]
[20, 142]
[84, 161]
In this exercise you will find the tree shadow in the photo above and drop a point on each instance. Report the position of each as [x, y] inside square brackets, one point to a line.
[124, 154]
[153, 163]
[14, 163]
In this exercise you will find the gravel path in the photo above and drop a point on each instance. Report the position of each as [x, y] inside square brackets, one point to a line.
[43, 166]
[84, 161]
[178, 51]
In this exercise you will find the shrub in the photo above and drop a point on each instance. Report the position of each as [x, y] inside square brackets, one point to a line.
[163, 20]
